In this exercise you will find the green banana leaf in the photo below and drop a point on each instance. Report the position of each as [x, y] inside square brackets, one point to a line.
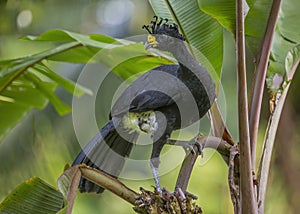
[29, 83]
[285, 46]
[286, 37]
[221, 10]
[201, 31]
[33, 196]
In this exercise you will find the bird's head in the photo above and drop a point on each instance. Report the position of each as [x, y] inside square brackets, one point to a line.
[162, 35]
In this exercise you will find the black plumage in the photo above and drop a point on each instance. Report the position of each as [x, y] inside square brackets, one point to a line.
[160, 101]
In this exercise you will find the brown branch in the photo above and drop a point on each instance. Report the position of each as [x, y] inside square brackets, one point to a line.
[260, 76]
[186, 169]
[145, 202]
[110, 183]
[233, 178]
[187, 166]
[71, 195]
[246, 181]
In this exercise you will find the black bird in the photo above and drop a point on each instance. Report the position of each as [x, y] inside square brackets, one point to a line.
[162, 100]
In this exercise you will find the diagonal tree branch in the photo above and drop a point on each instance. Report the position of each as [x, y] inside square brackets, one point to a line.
[187, 166]
[110, 183]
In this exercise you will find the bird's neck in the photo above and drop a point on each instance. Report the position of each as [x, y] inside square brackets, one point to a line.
[182, 55]
[190, 66]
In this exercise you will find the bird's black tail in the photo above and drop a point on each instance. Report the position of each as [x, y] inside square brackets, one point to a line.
[107, 152]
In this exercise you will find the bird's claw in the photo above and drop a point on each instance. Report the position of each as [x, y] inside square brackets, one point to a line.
[189, 147]
[158, 189]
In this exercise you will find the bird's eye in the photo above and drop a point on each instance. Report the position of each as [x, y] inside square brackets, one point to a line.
[152, 41]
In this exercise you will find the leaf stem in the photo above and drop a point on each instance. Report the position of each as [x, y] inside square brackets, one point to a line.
[260, 76]
[71, 195]
[265, 161]
[248, 203]
[218, 125]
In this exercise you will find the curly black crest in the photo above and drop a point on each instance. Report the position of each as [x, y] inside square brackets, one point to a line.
[162, 27]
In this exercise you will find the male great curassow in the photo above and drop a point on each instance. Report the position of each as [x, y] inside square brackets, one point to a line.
[162, 100]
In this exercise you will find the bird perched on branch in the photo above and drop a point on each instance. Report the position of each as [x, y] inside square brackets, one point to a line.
[162, 100]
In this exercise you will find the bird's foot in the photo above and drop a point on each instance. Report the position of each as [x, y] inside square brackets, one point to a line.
[158, 189]
[188, 146]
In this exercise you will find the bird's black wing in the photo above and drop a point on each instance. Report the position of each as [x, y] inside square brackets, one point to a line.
[151, 100]
[156, 88]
